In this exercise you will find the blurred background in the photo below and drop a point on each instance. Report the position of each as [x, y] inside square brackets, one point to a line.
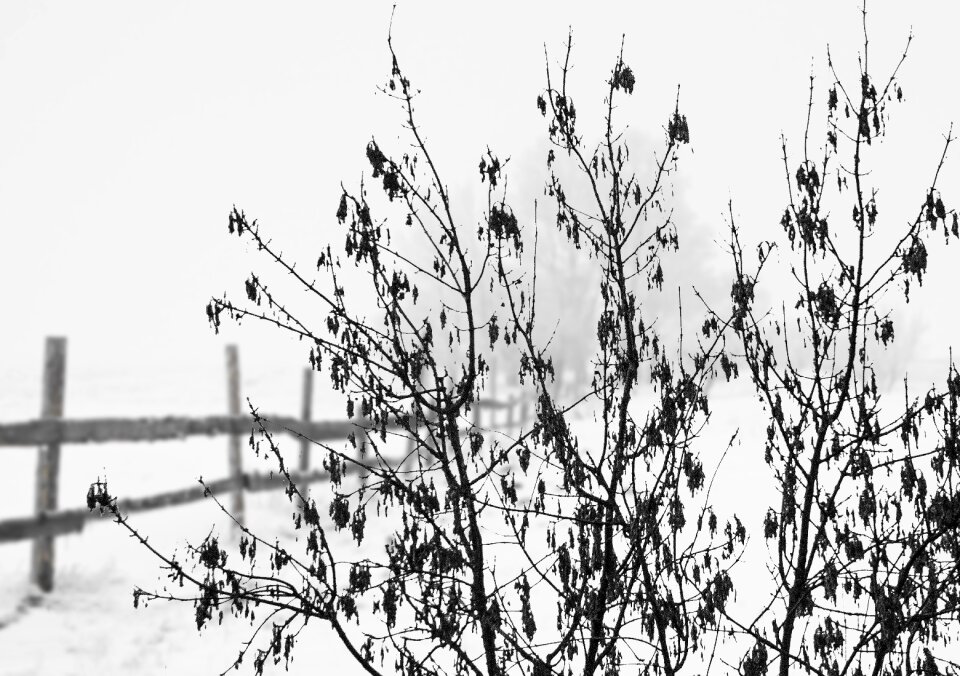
[129, 130]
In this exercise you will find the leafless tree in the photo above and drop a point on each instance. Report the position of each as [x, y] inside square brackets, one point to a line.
[589, 544]
[864, 548]
[586, 547]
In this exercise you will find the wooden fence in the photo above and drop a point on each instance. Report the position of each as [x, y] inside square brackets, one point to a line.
[51, 431]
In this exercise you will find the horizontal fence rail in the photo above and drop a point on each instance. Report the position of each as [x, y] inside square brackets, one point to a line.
[72, 520]
[100, 430]
[52, 431]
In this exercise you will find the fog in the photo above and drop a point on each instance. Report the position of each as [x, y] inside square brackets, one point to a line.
[128, 132]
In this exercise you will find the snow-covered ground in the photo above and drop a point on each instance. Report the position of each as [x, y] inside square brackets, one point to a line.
[88, 624]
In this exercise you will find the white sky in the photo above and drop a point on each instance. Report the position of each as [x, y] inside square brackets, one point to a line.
[127, 131]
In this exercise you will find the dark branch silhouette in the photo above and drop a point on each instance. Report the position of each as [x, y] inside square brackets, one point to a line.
[586, 542]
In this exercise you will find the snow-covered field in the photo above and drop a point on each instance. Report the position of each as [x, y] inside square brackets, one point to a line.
[88, 624]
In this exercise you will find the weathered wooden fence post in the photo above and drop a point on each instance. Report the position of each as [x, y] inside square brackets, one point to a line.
[48, 459]
[306, 406]
[362, 438]
[492, 416]
[235, 458]
[513, 387]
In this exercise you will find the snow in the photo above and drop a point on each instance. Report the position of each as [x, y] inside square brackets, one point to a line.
[117, 175]
[88, 623]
